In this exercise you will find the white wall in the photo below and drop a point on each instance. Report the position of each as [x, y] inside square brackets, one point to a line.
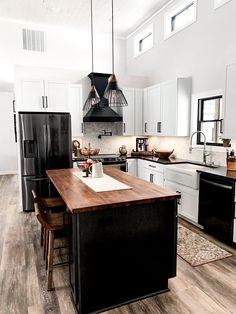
[8, 147]
[65, 48]
[201, 50]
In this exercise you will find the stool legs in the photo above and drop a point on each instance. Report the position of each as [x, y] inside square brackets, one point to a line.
[50, 259]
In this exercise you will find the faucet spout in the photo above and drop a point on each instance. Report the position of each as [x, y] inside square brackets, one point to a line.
[204, 146]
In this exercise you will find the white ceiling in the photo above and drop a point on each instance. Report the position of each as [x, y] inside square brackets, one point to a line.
[128, 14]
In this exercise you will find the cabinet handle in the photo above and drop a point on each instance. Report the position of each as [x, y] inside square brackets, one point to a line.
[46, 101]
[151, 177]
[145, 127]
[15, 130]
[179, 199]
[14, 106]
[43, 101]
[158, 127]
[124, 128]
[152, 166]
[82, 127]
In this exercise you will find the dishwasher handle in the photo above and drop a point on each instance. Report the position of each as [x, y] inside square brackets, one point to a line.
[219, 185]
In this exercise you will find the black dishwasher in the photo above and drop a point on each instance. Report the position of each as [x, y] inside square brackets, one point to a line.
[216, 206]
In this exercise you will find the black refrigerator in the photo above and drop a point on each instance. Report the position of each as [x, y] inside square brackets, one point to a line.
[45, 143]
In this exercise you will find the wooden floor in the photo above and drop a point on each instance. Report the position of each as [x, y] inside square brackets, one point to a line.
[210, 288]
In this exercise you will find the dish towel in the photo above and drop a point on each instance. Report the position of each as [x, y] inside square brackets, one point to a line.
[104, 184]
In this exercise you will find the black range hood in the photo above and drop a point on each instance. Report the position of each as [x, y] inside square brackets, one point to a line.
[101, 112]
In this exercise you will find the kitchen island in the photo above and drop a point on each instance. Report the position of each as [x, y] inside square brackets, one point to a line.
[123, 243]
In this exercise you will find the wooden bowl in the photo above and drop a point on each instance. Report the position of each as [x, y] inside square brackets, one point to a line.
[163, 154]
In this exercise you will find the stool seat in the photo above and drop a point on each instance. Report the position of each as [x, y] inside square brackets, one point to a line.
[51, 202]
[50, 222]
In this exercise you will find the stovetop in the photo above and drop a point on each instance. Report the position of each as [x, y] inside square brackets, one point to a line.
[110, 158]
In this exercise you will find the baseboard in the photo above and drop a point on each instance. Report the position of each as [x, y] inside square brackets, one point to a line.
[2, 173]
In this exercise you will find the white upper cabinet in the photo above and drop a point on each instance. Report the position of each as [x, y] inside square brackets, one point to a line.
[138, 113]
[128, 112]
[229, 129]
[75, 107]
[167, 108]
[132, 114]
[41, 95]
[29, 95]
[152, 110]
[175, 104]
[56, 94]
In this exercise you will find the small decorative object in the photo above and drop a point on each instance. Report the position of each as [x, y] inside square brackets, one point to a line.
[123, 150]
[163, 154]
[87, 164]
[231, 160]
[88, 151]
[226, 142]
[97, 169]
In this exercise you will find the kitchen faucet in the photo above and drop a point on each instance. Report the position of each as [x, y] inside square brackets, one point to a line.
[205, 154]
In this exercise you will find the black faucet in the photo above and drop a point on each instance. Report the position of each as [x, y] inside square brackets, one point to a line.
[105, 133]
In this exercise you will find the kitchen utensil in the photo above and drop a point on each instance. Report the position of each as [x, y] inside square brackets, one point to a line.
[163, 154]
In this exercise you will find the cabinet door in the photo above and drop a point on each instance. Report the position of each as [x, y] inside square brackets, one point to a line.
[229, 103]
[152, 111]
[169, 108]
[154, 177]
[138, 112]
[76, 110]
[132, 166]
[56, 94]
[141, 169]
[174, 188]
[30, 96]
[128, 112]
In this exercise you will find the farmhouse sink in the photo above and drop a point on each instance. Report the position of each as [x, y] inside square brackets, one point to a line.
[185, 174]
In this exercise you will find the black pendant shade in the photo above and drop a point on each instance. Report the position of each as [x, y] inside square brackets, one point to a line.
[113, 93]
[93, 97]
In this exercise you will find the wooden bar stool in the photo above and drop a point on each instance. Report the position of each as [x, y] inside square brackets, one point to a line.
[50, 222]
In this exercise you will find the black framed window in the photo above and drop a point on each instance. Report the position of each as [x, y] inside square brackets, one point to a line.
[210, 120]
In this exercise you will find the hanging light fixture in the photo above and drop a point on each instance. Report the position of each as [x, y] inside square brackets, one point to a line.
[112, 92]
[93, 97]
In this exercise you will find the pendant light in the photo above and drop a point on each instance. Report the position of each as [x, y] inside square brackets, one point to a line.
[112, 92]
[93, 97]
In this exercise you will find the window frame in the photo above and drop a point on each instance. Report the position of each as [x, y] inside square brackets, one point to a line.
[175, 11]
[201, 120]
[219, 3]
[144, 34]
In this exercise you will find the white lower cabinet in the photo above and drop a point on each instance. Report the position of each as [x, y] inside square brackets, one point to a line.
[151, 172]
[141, 170]
[132, 166]
[188, 204]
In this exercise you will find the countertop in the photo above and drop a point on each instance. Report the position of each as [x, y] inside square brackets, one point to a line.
[80, 198]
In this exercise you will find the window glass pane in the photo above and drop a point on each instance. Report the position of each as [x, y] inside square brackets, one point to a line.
[183, 17]
[212, 109]
[146, 43]
[212, 132]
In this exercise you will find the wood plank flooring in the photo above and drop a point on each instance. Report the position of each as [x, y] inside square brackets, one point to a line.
[210, 288]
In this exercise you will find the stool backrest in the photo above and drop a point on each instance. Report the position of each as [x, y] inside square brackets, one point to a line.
[40, 210]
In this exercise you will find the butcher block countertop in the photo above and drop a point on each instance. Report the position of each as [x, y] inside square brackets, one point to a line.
[80, 198]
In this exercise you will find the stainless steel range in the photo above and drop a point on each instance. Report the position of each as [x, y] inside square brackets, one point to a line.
[112, 160]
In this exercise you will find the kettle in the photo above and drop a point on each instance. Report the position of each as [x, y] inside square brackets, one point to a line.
[123, 150]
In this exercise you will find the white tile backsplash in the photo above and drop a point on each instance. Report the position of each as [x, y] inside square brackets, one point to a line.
[111, 144]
